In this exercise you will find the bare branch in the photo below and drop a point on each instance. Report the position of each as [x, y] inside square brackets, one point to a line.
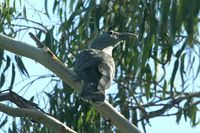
[38, 42]
[38, 116]
[18, 100]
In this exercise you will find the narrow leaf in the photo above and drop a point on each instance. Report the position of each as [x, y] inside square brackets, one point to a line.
[13, 76]
[7, 63]
[2, 80]
[24, 12]
[21, 66]
[46, 7]
[164, 88]
[182, 68]
[55, 5]
[4, 122]
[1, 53]
[176, 64]
[178, 117]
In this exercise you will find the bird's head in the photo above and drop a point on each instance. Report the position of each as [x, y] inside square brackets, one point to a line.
[109, 39]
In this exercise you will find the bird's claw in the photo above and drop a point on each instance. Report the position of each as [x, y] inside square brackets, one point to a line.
[95, 97]
[75, 78]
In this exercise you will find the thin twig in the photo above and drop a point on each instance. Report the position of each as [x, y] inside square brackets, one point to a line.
[38, 42]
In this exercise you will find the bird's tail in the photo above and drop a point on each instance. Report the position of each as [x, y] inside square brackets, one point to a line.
[89, 92]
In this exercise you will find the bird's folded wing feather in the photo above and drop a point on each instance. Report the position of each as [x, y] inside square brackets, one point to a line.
[88, 59]
[93, 64]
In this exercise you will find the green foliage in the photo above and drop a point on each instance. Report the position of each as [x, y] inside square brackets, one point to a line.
[147, 67]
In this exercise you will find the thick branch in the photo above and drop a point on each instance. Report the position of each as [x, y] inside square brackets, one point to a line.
[38, 116]
[52, 63]
[18, 100]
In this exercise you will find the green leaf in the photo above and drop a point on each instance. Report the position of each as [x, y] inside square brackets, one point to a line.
[165, 4]
[56, 2]
[164, 88]
[24, 12]
[4, 122]
[179, 52]
[182, 68]
[71, 5]
[49, 39]
[32, 98]
[39, 34]
[175, 68]
[135, 116]
[2, 80]
[61, 13]
[13, 76]
[21, 66]
[192, 114]
[80, 122]
[148, 81]
[88, 115]
[46, 8]
[7, 63]
[14, 126]
[1, 54]
[178, 117]
[10, 131]
[173, 22]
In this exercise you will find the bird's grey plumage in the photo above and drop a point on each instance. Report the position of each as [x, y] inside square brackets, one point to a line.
[95, 65]
[96, 69]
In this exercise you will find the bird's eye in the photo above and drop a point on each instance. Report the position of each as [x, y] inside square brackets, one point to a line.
[110, 32]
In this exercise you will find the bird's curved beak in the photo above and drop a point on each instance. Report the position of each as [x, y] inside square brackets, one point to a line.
[126, 35]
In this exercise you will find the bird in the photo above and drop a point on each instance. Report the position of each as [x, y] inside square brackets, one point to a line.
[95, 65]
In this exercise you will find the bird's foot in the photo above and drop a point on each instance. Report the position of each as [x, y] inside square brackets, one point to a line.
[96, 97]
[75, 78]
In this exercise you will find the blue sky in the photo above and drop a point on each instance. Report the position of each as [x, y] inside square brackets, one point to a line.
[158, 125]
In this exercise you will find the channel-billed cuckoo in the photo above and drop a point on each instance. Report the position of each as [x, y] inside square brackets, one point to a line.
[96, 67]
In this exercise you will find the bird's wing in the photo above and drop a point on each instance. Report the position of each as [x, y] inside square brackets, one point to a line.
[88, 59]
[86, 65]
[96, 69]
[107, 70]
[95, 66]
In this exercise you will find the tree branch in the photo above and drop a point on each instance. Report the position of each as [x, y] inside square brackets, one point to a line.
[38, 116]
[175, 101]
[18, 100]
[68, 76]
